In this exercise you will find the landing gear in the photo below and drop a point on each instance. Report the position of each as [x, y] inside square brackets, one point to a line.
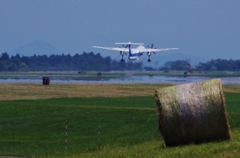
[149, 54]
[122, 54]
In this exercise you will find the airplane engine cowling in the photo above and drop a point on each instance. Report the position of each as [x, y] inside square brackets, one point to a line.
[149, 53]
[121, 52]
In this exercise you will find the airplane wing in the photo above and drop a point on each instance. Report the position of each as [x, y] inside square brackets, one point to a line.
[113, 48]
[157, 50]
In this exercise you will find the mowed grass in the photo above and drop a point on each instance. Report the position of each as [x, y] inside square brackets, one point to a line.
[38, 91]
[117, 121]
[38, 127]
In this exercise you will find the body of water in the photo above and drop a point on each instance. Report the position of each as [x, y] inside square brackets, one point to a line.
[124, 80]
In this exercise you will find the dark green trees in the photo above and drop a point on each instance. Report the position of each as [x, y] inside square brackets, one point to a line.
[85, 61]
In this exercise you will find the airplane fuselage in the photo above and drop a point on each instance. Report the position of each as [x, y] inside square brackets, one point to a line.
[134, 55]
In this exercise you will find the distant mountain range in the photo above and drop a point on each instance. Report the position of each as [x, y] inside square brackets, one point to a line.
[39, 47]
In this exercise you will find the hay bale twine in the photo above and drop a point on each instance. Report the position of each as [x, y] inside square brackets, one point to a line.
[192, 113]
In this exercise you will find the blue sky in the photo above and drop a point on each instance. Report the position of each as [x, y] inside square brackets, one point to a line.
[208, 29]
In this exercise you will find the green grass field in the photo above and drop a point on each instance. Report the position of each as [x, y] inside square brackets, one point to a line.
[100, 127]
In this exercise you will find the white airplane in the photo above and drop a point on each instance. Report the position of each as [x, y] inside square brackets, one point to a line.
[135, 53]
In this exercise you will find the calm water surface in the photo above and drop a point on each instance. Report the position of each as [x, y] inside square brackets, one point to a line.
[124, 80]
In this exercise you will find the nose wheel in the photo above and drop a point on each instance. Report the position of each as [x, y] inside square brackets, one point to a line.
[149, 60]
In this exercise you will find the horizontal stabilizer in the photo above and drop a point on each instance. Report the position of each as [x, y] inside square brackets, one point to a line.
[130, 43]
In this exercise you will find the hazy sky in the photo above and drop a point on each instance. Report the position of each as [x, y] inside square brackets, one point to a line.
[206, 28]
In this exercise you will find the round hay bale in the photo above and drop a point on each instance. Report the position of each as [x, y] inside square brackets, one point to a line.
[192, 113]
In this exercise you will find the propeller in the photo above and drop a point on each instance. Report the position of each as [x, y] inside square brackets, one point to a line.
[149, 53]
[122, 53]
[124, 46]
[151, 48]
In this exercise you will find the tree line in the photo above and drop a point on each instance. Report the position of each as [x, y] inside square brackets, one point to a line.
[85, 61]
[212, 65]
[95, 62]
